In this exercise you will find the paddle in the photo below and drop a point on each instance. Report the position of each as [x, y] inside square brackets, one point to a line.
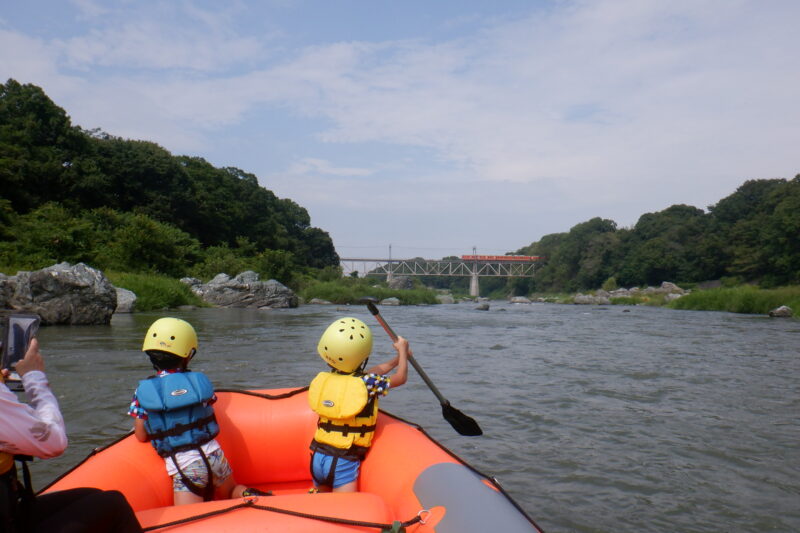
[462, 423]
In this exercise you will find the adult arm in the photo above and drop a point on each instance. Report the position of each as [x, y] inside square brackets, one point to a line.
[36, 428]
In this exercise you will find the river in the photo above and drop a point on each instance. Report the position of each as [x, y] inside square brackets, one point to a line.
[595, 419]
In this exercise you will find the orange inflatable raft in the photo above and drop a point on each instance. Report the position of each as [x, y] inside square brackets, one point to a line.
[407, 481]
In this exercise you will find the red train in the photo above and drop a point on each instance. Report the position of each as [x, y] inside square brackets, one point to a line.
[513, 258]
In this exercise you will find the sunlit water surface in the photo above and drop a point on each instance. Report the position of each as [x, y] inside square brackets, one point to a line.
[595, 419]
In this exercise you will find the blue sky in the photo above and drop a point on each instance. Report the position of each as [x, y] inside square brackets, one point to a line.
[436, 126]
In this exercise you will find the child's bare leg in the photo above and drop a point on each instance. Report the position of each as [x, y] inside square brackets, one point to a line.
[237, 491]
[348, 487]
[185, 498]
[225, 491]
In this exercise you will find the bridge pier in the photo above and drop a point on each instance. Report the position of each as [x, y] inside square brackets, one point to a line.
[474, 288]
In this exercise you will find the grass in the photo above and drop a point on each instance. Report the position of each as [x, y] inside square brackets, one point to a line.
[155, 292]
[743, 299]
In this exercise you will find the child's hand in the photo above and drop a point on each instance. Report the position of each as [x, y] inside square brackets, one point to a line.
[32, 361]
[401, 345]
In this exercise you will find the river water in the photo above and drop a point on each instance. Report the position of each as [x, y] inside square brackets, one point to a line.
[595, 419]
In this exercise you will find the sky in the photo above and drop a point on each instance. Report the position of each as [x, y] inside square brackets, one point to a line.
[432, 128]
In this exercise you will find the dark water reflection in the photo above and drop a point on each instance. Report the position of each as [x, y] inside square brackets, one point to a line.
[595, 419]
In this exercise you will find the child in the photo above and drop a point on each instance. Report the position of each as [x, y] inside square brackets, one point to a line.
[346, 400]
[173, 411]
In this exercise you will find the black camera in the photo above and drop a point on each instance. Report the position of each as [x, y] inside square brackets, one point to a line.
[19, 330]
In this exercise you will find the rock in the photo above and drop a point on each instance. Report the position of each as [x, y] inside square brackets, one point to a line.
[244, 290]
[668, 287]
[401, 283]
[126, 300]
[62, 294]
[445, 299]
[519, 300]
[390, 301]
[781, 312]
[588, 299]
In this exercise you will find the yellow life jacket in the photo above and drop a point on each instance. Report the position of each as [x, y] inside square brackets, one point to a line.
[347, 413]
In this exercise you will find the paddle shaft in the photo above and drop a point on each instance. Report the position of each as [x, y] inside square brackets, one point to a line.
[423, 375]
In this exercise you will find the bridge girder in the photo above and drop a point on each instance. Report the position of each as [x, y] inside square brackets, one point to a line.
[433, 267]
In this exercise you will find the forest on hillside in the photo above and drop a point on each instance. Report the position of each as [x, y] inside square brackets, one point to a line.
[751, 236]
[69, 194]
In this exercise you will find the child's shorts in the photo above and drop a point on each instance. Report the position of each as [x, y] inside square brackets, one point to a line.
[346, 470]
[198, 474]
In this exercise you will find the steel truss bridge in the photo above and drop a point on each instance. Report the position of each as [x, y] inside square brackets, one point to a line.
[474, 269]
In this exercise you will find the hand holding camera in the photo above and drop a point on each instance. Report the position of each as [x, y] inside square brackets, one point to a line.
[20, 349]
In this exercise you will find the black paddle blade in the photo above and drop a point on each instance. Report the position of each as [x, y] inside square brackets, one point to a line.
[462, 423]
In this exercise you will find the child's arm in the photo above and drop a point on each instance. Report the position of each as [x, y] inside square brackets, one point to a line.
[400, 363]
[139, 430]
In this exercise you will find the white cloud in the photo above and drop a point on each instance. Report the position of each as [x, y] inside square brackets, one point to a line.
[161, 45]
[323, 167]
[596, 103]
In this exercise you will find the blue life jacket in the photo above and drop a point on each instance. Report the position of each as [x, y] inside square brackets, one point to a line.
[177, 417]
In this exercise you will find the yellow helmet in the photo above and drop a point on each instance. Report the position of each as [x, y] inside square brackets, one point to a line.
[346, 344]
[171, 335]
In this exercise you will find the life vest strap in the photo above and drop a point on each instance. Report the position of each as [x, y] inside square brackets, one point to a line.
[180, 429]
[346, 429]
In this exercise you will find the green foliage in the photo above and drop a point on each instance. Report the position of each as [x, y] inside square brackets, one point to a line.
[102, 238]
[137, 243]
[744, 299]
[166, 209]
[155, 292]
[45, 236]
[351, 290]
[610, 284]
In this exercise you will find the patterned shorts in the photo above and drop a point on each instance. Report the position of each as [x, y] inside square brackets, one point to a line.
[198, 474]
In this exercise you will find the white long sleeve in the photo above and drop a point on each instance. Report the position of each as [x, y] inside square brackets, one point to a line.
[36, 428]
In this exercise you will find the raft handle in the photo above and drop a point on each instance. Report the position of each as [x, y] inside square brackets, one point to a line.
[427, 514]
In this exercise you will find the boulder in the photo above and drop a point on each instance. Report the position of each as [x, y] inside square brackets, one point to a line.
[126, 300]
[61, 294]
[671, 288]
[244, 290]
[589, 299]
[781, 312]
[401, 283]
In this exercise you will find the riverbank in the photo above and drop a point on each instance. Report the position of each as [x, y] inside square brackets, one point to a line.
[155, 292]
[745, 299]
[159, 292]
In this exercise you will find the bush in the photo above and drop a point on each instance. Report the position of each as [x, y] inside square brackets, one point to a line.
[745, 299]
[155, 292]
[352, 291]
[610, 284]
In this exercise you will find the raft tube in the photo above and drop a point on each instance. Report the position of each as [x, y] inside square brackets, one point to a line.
[407, 480]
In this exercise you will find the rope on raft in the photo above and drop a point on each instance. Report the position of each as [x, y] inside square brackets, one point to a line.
[264, 394]
[395, 527]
